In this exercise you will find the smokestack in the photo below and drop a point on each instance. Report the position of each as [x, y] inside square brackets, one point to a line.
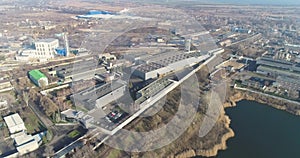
[67, 44]
[188, 45]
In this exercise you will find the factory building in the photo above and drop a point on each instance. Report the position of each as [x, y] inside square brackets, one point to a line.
[14, 123]
[109, 93]
[82, 70]
[80, 74]
[164, 63]
[26, 55]
[38, 78]
[274, 67]
[100, 95]
[97, 14]
[25, 144]
[282, 64]
[270, 71]
[136, 57]
[105, 77]
[148, 71]
[151, 90]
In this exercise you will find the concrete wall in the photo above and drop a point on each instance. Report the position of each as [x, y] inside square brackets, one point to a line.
[110, 97]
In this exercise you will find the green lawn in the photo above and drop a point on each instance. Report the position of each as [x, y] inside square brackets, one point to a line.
[4, 133]
[73, 134]
[32, 123]
[114, 153]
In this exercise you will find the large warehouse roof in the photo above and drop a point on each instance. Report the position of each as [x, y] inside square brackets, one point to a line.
[36, 74]
[13, 120]
[28, 147]
[14, 123]
[23, 139]
[149, 67]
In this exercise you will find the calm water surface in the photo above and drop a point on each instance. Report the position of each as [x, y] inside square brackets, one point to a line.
[262, 132]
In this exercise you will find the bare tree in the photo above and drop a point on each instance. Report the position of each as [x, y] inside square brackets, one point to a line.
[26, 97]
[85, 151]
[30, 155]
[48, 152]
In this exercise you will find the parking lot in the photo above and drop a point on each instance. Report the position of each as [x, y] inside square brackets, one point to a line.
[111, 117]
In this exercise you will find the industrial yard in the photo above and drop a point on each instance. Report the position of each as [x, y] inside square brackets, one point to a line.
[75, 75]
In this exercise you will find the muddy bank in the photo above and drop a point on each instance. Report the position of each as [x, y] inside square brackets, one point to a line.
[238, 95]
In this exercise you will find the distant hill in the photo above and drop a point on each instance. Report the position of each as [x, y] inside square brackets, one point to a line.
[245, 2]
[262, 2]
[174, 2]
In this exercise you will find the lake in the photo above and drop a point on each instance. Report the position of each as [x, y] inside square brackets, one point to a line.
[262, 132]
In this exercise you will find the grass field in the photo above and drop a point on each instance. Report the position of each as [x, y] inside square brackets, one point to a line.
[114, 153]
[3, 131]
[32, 123]
[73, 134]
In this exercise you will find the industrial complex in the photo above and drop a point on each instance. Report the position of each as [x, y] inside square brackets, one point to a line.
[74, 75]
[165, 63]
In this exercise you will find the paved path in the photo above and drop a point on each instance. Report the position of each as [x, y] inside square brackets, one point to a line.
[246, 39]
[267, 95]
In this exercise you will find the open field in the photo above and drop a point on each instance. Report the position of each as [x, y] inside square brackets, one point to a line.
[32, 123]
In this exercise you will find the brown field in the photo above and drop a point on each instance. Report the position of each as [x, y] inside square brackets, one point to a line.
[87, 5]
[234, 64]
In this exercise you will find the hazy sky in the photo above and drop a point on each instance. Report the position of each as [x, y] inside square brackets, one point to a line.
[270, 2]
[265, 2]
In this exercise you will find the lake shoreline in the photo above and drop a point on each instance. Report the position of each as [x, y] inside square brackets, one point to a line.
[236, 97]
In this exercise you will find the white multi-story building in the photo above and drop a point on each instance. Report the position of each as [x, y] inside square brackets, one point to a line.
[44, 50]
